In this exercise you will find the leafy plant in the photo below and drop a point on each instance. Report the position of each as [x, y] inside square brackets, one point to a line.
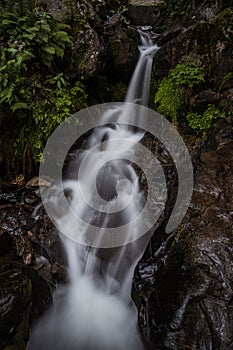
[36, 95]
[174, 90]
[203, 122]
[228, 77]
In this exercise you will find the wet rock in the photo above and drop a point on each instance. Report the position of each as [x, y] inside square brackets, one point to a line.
[200, 11]
[24, 296]
[169, 35]
[41, 294]
[5, 242]
[122, 53]
[227, 100]
[86, 53]
[15, 307]
[7, 198]
[36, 181]
[31, 264]
[146, 12]
[190, 302]
[199, 102]
[114, 22]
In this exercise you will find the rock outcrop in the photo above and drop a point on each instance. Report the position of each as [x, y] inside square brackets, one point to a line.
[146, 13]
[30, 265]
[184, 285]
[191, 301]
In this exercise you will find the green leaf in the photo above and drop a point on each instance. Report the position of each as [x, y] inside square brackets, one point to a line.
[59, 51]
[3, 68]
[49, 49]
[5, 82]
[19, 105]
[19, 60]
[7, 21]
[12, 50]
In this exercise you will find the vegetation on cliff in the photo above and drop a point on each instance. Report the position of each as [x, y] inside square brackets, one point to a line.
[36, 92]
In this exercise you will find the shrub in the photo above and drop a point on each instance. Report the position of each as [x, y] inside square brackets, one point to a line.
[174, 90]
[35, 92]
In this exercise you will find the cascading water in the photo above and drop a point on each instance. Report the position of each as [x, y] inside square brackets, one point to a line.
[95, 310]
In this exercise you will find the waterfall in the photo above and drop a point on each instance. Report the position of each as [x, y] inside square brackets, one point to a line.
[95, 310]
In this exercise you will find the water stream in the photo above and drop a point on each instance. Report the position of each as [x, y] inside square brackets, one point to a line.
[95, 310]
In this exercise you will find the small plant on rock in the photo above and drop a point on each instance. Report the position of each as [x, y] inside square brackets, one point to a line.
[204, 121]
[174, 90]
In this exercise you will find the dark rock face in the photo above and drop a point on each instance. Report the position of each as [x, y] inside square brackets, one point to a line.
[122, 53]
[30, 265]
[24, 295]
[103, 43]
[185, 288]
[15, 306]
[194, 288]
[184, 284]
[209, 44]
[146, 12]
[86, 53]
[57, 8]
[199, 102]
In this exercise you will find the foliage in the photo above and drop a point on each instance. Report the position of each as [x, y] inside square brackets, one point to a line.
[120, 90]
[174, 90]
[203, 122]
[35, 92]
[228, 77]
[54, 101]
[173, 12]
[176, 9]
[169, 97]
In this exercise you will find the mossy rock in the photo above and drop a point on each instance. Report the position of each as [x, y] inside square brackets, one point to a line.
[209, 44]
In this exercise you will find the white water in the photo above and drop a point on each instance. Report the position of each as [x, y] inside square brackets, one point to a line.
[95, 311]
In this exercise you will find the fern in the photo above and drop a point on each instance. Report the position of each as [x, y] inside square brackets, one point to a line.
[174, 90]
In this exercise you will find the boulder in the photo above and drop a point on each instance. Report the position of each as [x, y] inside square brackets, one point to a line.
[145, 12]
[57, 8]
[122, 53]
